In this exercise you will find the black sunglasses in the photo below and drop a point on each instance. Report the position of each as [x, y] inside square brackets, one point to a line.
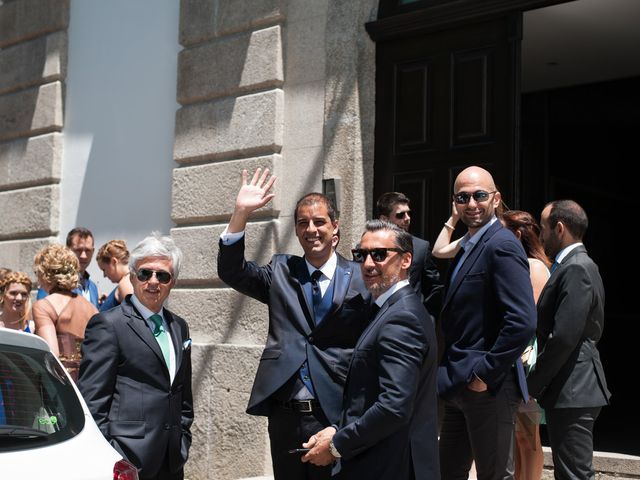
[377, 254]
[400, 215]
[479, 196]
[145, 274]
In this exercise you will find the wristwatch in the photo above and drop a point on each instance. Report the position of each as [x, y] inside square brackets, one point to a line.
[333, 450]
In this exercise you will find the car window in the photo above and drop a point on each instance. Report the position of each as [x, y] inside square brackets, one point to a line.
[38, 404]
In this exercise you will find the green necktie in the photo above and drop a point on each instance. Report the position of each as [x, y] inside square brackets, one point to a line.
[161, 336]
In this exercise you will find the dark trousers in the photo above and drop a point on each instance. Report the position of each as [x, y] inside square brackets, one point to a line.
[571, 437]
[288, 429]
[479, 426]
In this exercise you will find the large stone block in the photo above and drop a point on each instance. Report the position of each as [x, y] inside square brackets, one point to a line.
[18, 254]
[29, 212]
[197, 21]
[243, 126]
[206, 193]
[30, 63]
[26, 19]
[31, 161]
[237, 15]
[200, 247]
[221, 315]
[31, 112]
[227, 443]
[306, 50]
[231, 66]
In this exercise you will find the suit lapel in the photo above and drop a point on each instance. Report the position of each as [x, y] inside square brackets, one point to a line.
[470, 260]
[142, 330]
[342, 277]
[176, 337]
[406, 290]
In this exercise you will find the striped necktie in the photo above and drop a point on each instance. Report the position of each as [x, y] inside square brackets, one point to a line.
[162, 337]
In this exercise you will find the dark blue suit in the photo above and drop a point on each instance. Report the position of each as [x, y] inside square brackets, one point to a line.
[487, 319]
[389, 428]
[294, 337]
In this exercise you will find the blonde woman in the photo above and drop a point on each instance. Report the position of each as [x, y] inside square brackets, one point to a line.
[113, 260]
[62, 316]
[15, 302]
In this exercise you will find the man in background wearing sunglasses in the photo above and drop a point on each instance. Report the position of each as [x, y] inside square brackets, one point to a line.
[318, 306]
[488, 317]
[135, 373]
[389, 424]
[424, 277]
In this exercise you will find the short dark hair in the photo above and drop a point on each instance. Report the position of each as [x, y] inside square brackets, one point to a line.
[572, 216]
[313, 198]
[387, 201]
[403, 240]
[80, 232]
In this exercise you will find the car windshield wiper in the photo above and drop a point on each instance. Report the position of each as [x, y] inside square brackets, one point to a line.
[20, 432]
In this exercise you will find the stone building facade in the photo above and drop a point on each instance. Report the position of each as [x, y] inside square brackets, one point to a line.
[282, 84]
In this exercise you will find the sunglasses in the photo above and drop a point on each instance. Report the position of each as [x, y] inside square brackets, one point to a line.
[479, 196]
[145, 274]
[400, 215]
[377, 254]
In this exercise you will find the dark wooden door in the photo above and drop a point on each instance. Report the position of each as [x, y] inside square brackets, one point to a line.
[446, 100]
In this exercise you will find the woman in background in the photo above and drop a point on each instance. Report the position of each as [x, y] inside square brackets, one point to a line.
[15, 302]
[113, 260]
[61, 317]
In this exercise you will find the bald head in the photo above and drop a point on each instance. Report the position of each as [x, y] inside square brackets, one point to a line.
[476, 175]
[476, 197]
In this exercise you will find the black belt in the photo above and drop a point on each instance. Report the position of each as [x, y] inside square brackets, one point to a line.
[302, 406]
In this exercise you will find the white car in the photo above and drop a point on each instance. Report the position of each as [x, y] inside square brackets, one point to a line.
[46, 430]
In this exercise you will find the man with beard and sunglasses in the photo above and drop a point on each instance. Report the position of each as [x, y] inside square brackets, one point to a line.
[424, 277]
[488, 317]
[389, 427]
[318, 306]
[135, 373]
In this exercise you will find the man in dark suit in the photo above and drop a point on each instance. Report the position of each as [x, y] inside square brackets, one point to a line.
[424, 277]
[135, 373]
[318, 307]
[488, 317]
[389, 424]
[568, 379]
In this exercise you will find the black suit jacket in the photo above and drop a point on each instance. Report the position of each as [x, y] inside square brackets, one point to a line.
[568, 371]
[284, 285]
[389, 428]
[488, 315]
[126, 385]
[424, 276]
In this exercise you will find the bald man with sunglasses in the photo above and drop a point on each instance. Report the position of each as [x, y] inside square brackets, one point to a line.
[488, 317]
[135, 373]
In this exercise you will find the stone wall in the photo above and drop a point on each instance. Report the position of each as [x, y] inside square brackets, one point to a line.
[33, 63]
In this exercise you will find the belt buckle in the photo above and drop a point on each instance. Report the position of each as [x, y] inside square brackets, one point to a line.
[305, 406]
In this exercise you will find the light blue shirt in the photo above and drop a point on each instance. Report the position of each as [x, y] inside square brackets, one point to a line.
[565, 251]
[468, 243]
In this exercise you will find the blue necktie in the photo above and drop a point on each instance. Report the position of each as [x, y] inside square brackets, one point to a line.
[316, 293]
[162, 337]
[554, 266]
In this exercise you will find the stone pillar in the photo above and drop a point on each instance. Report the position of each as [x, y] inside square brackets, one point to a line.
[33, 61]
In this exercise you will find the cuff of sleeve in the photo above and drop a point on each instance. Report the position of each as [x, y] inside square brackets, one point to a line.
[230, 238]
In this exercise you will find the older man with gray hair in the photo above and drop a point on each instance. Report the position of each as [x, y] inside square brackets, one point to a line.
[135, 373]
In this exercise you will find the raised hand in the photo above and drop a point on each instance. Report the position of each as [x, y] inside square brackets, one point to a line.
[252, 195]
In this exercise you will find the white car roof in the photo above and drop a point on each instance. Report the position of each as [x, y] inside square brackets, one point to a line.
[22, 339]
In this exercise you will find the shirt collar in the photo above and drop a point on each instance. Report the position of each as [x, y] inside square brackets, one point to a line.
[565, 251]
[472, 240]
[144, 311]
[385, 296]
[329, 267]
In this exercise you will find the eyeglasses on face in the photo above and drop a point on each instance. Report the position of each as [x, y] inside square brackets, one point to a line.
[377, 254]
[400, 215]
[145, 274]
[479, 196]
